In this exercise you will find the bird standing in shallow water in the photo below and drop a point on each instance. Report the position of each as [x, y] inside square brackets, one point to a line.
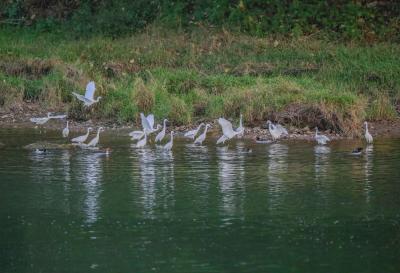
[368, 136]
[168, 146]
[192, 133]
[65, 132]
[161, 134]
[202, 137]
[95, 140]
[240, 129]
[321, 139]
[81, 139]
[277, 130]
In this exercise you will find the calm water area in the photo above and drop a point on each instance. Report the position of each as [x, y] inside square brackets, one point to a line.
[245, 207]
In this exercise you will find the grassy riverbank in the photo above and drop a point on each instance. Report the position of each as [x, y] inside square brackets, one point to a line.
[203, 74]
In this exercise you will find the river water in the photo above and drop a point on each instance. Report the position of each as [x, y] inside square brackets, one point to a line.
[282, 207]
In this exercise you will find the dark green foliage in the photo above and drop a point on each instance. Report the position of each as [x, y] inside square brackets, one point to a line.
[369, 20]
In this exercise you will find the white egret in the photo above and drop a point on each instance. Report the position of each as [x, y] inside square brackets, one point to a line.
[41, 121]
[192, 133]
[202, 137]
[161, 134]
[277, 130]
[88, 98]
[65, 132]
[368, 136]
[168, 146]
[95, 140]
[240, 129]
[227, 130]
[321, 139]
[141, 143]
[82, 138]
[147, 125]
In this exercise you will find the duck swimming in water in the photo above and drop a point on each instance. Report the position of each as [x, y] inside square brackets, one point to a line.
[262, 140]
[357, 151]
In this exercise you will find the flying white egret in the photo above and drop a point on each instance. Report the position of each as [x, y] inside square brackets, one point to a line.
[202, 137]
[41, 121]
[161, 134]
[227, 130]
[277, 130]
[141, 143]
[240, 129]
[82, 138]
[192, 133]
[95, 140]
[88, 98]
[168, 146]
[368, 136]
[321, 139]
[65, 132]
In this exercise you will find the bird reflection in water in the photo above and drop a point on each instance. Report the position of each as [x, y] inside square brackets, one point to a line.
[91, 164]
[231, 181]
[321, 161]
[369, 151]
[277, 167]
[147, 171]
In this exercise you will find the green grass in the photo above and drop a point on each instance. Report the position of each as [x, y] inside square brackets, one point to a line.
[204, 74]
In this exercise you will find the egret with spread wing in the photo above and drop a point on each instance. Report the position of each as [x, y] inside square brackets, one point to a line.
[41, 121]
[277, 130]
[88, 98]
[227, 130]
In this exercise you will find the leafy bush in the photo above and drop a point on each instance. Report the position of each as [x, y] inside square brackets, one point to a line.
[368, 19]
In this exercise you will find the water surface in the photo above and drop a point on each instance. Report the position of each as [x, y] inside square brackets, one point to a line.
[284, 207]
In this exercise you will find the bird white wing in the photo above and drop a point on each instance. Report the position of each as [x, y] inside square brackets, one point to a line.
[190, 133]
[59, 116]
[136, 135]
[222, 139]
[145, 122]
[150, 119]
[160, 136]
[90, 88]
[226, 127]
[282, 129]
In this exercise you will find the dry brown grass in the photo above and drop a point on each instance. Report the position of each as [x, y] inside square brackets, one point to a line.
[143, 96]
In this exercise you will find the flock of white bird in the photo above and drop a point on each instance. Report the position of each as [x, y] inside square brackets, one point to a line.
[141, 136]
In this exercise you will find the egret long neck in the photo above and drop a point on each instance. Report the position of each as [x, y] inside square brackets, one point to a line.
[165, 125]
[205, 131]
[67, 124]
[366, 127]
